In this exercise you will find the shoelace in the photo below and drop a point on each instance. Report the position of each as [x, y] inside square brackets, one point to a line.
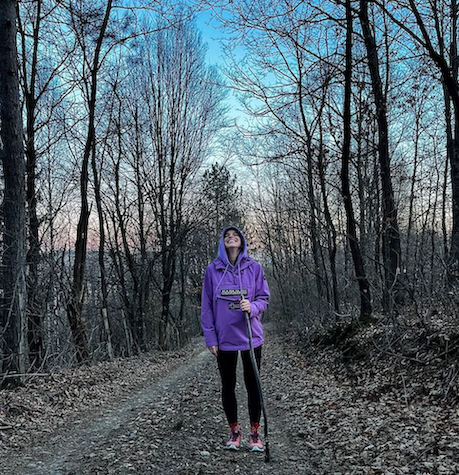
[234, 436]
[255, 436]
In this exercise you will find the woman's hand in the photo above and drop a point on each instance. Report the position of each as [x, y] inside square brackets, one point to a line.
[213, 350]
[245, 305]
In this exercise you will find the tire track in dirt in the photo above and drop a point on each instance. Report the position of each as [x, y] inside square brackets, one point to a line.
[67, 453]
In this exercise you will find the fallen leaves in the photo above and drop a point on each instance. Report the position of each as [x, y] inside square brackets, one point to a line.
[326, 418]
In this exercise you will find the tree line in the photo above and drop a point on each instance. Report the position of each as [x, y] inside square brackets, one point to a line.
[117, 113]
[354, 136]
[111, 117]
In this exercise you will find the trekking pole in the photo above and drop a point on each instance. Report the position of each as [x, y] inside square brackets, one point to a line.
[260, 393]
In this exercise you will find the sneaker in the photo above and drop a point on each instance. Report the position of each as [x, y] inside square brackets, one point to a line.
[255, 444]
[235, 440]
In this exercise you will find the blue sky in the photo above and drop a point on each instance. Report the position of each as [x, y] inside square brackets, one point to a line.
[211, 35]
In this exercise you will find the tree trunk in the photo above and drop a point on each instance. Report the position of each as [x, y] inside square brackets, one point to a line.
[35, 320]
[75, 304]
[450, 84]
[390, 234]
[127, 333]
[132, 305]
[13, 324]
[97, 173]
[450, 155]
[331, 230]
[453, 150]
[364, 287]
[311, 192]
[168, 274]
[101, 257]
[315, 243]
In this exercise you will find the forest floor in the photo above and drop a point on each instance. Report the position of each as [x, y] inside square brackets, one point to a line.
[161, 414]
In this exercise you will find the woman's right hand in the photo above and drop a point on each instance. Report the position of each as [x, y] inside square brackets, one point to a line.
[213, 350]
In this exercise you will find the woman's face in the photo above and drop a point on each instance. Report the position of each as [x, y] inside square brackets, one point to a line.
[232, 239]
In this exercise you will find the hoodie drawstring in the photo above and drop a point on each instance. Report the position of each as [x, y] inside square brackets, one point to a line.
[240, 281]
[220, 281]
[240, 278]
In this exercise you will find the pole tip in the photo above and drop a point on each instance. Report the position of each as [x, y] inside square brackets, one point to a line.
[267, 454]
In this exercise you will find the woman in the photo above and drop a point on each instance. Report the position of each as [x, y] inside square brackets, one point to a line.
[233, 284]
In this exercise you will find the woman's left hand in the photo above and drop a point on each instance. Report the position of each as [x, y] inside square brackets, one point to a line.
[245, 305]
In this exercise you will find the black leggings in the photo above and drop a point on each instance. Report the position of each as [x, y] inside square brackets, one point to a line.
[227, 363]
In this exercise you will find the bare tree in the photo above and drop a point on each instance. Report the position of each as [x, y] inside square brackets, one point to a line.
[34, 24]
[13, 321]
[433, 26]
[75, 304]
[391, 234]
[166, 111]
[184, 112]
[36, 345]
[286, 83]
[364, 286]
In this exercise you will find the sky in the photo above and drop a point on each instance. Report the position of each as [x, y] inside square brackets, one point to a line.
[211, 35]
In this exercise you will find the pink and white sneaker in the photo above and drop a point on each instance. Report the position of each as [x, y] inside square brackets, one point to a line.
[235, 440]
[255, 444]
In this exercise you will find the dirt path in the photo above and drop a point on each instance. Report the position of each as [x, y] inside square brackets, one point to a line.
[320, 424]
[175, 426]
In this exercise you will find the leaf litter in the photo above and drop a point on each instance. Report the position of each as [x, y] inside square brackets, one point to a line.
[161, 414]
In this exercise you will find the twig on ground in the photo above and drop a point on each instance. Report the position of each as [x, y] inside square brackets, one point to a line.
[405, 392]
[27, 375]
[452, 373]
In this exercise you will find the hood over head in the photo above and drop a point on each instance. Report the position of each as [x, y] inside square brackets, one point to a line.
[222, 250]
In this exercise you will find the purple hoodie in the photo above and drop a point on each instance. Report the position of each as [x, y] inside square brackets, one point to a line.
[222, 320]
